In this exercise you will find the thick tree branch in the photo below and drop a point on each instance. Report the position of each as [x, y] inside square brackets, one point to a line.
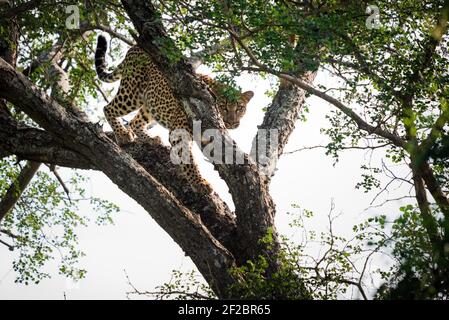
[435, 190]
[254, 206]
[435, 133]
[87, 26]
[361, 124]
[38, 145]
[281, 116]
[429, 222]
[211, 258]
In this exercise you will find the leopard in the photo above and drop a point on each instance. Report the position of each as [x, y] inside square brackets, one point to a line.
[145, 89]
[232, 108]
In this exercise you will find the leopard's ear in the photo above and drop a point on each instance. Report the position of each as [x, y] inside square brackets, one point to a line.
[247, 95]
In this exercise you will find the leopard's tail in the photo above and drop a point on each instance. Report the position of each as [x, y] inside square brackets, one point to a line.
[100, 62]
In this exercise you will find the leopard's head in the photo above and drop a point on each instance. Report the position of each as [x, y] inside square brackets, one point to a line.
[232, 110]
[231, 102]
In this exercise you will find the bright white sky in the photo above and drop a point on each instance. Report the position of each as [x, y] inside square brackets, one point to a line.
[135, 243]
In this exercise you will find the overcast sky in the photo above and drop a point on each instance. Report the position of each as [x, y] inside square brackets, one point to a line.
[135, 243]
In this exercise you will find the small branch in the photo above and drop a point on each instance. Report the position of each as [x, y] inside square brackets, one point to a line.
[162, 294]
[358, 285]
[17, 188]
[45, 56]
[9, 233]
[113, 33]
[342, 148]
[10, 247]
[434, 133]
[435, 189]
[61, 182]
[362, 124]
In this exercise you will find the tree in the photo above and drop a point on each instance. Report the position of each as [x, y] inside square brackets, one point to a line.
[393, 96]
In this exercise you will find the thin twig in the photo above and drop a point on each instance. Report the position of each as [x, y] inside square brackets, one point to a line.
[61, 182]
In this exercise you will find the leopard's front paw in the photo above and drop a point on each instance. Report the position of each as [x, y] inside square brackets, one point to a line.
[126, 137]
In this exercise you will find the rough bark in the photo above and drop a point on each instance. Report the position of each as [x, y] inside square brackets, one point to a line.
[16, 189]
[281, 116]
[38, 145]
[185, 227]
[8, 51]
[215, 238]
[255, 208]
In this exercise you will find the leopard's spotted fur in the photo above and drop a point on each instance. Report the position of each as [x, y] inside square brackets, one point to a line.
[143, 87]
[231, 110]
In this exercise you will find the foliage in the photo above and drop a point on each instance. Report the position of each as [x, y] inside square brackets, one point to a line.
[285, 282]
[43, 226]
[375, 71]
[44, 223]
[182, 285]
[341, 265]
[415, 273]
[322, 266]
[393, 77]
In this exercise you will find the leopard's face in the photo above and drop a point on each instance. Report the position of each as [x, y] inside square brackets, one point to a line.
[233, 111]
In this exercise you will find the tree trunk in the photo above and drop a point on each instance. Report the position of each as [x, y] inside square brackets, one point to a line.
[215, 238]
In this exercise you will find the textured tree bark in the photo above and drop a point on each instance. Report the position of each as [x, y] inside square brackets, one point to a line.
[8, 51]
[281, 116]
[16, 189]
[204, 227]
[255, 209]
[211, 258]
[38, 145]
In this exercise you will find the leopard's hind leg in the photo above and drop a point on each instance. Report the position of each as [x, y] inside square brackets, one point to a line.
[182, 147]
[140, 124]
[122, 104]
